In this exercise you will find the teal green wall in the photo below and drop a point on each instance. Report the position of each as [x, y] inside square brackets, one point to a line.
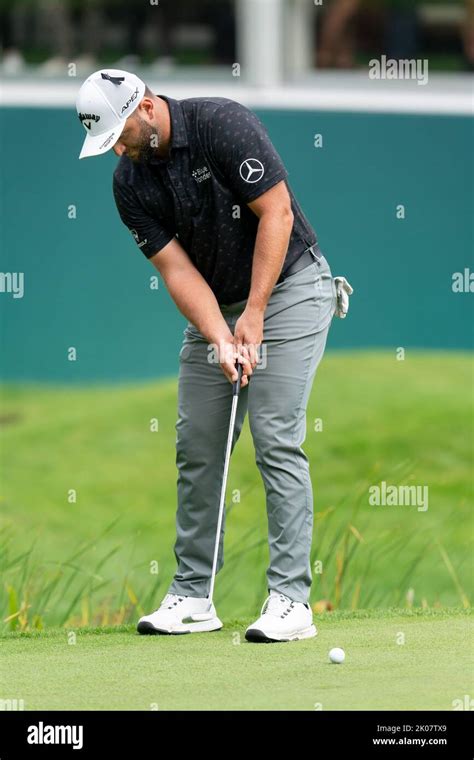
[87, 284]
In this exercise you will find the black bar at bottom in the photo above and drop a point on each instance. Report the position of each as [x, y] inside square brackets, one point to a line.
[375, 734]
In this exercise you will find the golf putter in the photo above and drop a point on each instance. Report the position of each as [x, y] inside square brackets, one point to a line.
[235, 398]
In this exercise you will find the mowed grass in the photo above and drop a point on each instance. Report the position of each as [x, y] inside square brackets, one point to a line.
[89, 495]
[395, 660]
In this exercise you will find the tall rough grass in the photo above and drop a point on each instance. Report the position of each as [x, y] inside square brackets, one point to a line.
[34, 590]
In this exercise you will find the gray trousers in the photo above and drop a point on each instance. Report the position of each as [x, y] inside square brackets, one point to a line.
[296, 324]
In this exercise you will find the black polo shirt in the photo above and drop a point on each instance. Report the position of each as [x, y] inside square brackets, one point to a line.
[220, 159]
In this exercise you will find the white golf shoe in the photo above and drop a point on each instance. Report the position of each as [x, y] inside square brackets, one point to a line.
[281, 619]
[181, 614]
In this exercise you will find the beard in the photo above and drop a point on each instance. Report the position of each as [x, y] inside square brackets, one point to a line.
[149, 139]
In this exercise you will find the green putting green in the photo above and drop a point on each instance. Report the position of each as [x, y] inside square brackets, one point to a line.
[395, 660]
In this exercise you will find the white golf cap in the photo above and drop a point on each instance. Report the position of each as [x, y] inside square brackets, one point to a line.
[104, 103]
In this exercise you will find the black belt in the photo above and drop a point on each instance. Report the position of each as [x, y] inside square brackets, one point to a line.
[309, 256]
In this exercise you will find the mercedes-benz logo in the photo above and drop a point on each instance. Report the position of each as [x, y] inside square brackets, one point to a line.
[251, 170]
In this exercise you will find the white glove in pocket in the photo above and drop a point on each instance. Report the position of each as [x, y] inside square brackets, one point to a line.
[343, 291]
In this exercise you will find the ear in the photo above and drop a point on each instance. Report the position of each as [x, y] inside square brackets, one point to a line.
[146, 108]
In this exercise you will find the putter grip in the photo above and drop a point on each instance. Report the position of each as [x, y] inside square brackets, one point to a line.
[236, 385]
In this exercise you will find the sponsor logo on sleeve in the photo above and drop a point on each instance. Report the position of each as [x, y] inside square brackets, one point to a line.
[136, 237]
[251, 170]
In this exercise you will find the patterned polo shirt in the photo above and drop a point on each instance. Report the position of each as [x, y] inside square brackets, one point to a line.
[220, 159]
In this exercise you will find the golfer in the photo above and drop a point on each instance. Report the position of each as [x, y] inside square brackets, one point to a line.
[205, 196]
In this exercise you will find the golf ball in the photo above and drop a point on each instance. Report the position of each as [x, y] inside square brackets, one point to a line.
[337, 655]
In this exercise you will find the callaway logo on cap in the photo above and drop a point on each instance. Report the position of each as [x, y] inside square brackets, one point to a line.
[104, 103]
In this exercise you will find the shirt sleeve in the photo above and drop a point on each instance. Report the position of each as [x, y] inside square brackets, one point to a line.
[149, 233]
[243, 152]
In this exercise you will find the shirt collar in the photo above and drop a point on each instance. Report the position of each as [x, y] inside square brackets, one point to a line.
[179, 137]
